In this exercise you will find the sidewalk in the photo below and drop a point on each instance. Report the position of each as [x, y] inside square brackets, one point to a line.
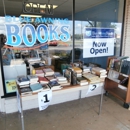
[75, 115]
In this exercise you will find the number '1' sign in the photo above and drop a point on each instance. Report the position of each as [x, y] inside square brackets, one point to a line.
[44, 99]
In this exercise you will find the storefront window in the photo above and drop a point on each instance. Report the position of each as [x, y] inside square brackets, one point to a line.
[56, 33]
[99, 15]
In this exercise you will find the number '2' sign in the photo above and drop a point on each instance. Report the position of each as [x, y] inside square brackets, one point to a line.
[44, 99]
[92, 87]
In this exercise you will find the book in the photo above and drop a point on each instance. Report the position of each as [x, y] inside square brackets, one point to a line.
[24, 86]
[98, 69]
[67, 74]
[22, 80]
[33, 78]
[81, 79]
[62, 82]
[39, 73]
[43, 80]
[82, 83]
[11, 86]
[77, 69]
[54, 85]
[99, 73]
[48, 71]
[125, 67]
[51, 78]
[45, 87]
[25, 91]
[36, 87]
[90, 76]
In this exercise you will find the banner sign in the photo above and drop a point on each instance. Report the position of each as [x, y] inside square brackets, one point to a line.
[44, 99]
[47, 29]
[98, 42]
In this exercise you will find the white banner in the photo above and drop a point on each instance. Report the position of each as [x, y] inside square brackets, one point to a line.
[44, 99]
[98, 42]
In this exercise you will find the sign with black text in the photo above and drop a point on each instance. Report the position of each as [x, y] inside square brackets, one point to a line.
[44, 99]
[98, 42]
[92, 87]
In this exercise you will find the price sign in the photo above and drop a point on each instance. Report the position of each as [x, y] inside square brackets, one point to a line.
[92, 88]
[44, 99]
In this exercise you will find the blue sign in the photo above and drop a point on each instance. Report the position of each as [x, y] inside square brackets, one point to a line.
[98, 33]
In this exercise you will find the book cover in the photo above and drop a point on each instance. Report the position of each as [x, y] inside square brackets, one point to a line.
[54, 85]
[42, 80]
[36, 87]
[11, 86]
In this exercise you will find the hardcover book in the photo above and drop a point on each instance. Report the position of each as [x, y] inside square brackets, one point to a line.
[54, 85]
[51, 78]
[98, 69]
[26, 91]
[48, 71]
[22, 80]
[36, 87]
[43, 80]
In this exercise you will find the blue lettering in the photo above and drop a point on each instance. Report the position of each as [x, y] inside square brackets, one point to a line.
[27, 42]
[37, 20]
[50, 20]
[96, 51]
[12, 34]
[65, 36]
[100, 44]
[8, 18]
[92, 50]
[43, 20]
[40, 33]
[53, 33]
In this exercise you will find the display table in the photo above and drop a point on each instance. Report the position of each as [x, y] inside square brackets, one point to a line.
[68, 93]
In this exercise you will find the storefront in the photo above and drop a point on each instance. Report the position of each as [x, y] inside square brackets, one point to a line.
[70, 30]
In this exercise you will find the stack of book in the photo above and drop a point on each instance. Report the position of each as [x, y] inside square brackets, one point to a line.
[86, 69]
[25, 91]
[33, 79]
[48, 71]
[39, 73]
[92, 78]
[61, 79]
[43, 80]
[82, 81]
[23, 81]
[37, 87]
[78, 71]
[102, 73]
[54, 85]
[51, 78]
